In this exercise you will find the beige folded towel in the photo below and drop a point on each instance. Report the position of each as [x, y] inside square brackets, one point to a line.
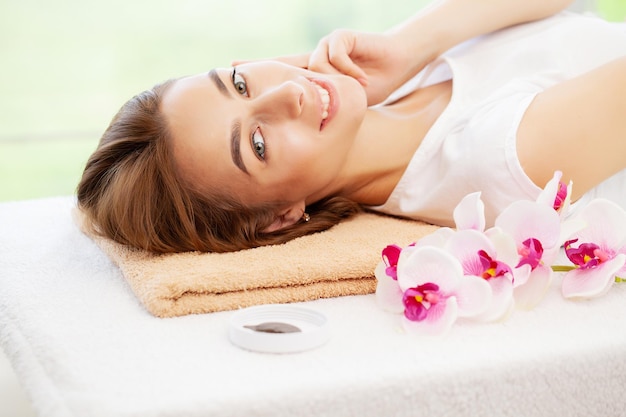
[337, 262]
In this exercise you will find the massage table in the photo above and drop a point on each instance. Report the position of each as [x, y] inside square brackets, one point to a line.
[83, 345]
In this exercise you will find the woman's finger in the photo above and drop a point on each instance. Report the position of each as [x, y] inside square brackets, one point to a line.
[318, 60]
[339, 57]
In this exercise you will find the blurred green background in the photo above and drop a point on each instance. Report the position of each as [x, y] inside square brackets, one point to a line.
[68, 65]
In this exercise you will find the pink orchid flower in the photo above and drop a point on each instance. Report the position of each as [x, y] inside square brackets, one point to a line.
[469, 216]
[430, 290]
[557, 195]
[478, 257]
[598, 251]
[470, 213]
[535, 229]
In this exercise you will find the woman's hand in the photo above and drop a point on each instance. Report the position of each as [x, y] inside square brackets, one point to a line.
[380, 62]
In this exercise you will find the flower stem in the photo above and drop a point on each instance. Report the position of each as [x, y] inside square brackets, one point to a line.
[562, 268]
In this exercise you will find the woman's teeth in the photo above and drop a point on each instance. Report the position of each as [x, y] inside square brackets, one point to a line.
[325, 100]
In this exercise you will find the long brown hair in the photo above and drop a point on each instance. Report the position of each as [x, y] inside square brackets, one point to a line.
[132, 193]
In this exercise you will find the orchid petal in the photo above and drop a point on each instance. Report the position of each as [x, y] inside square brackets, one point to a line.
[521, 274]
[547, 195]
[569, 227]
[406, 253]
[585, 255]
[592, 282]
[429, 264]
[606, 224]
[502, 300]
[390, 255]
[439, 320]
[414, 305]
[474, 295]
[469, 214]
[465, 245]
[561, 196]
[567, 202]
[492, 267]
[438, 238]
[531, 253]
[622, 272]
[388, 292]
[528, 295]
[551, 254]
[556, 195]
[504, 245]
[526, 219]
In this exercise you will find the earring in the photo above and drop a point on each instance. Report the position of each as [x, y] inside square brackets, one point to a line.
[306, 217]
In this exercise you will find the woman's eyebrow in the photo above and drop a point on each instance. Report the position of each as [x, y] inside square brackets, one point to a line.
[219, 83]
[235, 130]
[235, 143]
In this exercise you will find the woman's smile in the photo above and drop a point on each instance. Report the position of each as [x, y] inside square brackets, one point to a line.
[329, 100]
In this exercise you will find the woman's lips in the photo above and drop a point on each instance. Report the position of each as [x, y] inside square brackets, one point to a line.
[325, 98]
[328, 99]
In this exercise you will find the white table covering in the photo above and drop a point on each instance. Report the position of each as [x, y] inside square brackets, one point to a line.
[83, 346]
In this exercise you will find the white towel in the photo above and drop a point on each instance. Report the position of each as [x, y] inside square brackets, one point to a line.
[83, 346]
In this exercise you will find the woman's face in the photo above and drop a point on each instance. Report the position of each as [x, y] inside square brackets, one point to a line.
[264, 131]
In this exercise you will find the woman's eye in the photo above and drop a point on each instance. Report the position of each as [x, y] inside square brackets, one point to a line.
[240, 84]
[258, 144]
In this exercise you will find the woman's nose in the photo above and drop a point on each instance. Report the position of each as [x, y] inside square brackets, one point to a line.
[282, 101]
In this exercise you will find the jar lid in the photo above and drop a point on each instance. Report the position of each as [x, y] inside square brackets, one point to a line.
[278, 328]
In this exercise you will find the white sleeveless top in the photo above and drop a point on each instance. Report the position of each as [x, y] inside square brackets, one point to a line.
[471, 146]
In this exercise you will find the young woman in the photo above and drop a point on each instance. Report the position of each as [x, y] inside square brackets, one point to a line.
[406, 122]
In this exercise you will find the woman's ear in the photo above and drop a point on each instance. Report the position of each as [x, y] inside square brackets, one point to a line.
[286, 217]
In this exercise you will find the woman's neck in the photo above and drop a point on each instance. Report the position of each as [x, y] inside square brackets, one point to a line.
[386, 142]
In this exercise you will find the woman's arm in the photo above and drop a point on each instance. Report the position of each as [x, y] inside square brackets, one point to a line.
[577, 127]
[383, 62]
[446, 23]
